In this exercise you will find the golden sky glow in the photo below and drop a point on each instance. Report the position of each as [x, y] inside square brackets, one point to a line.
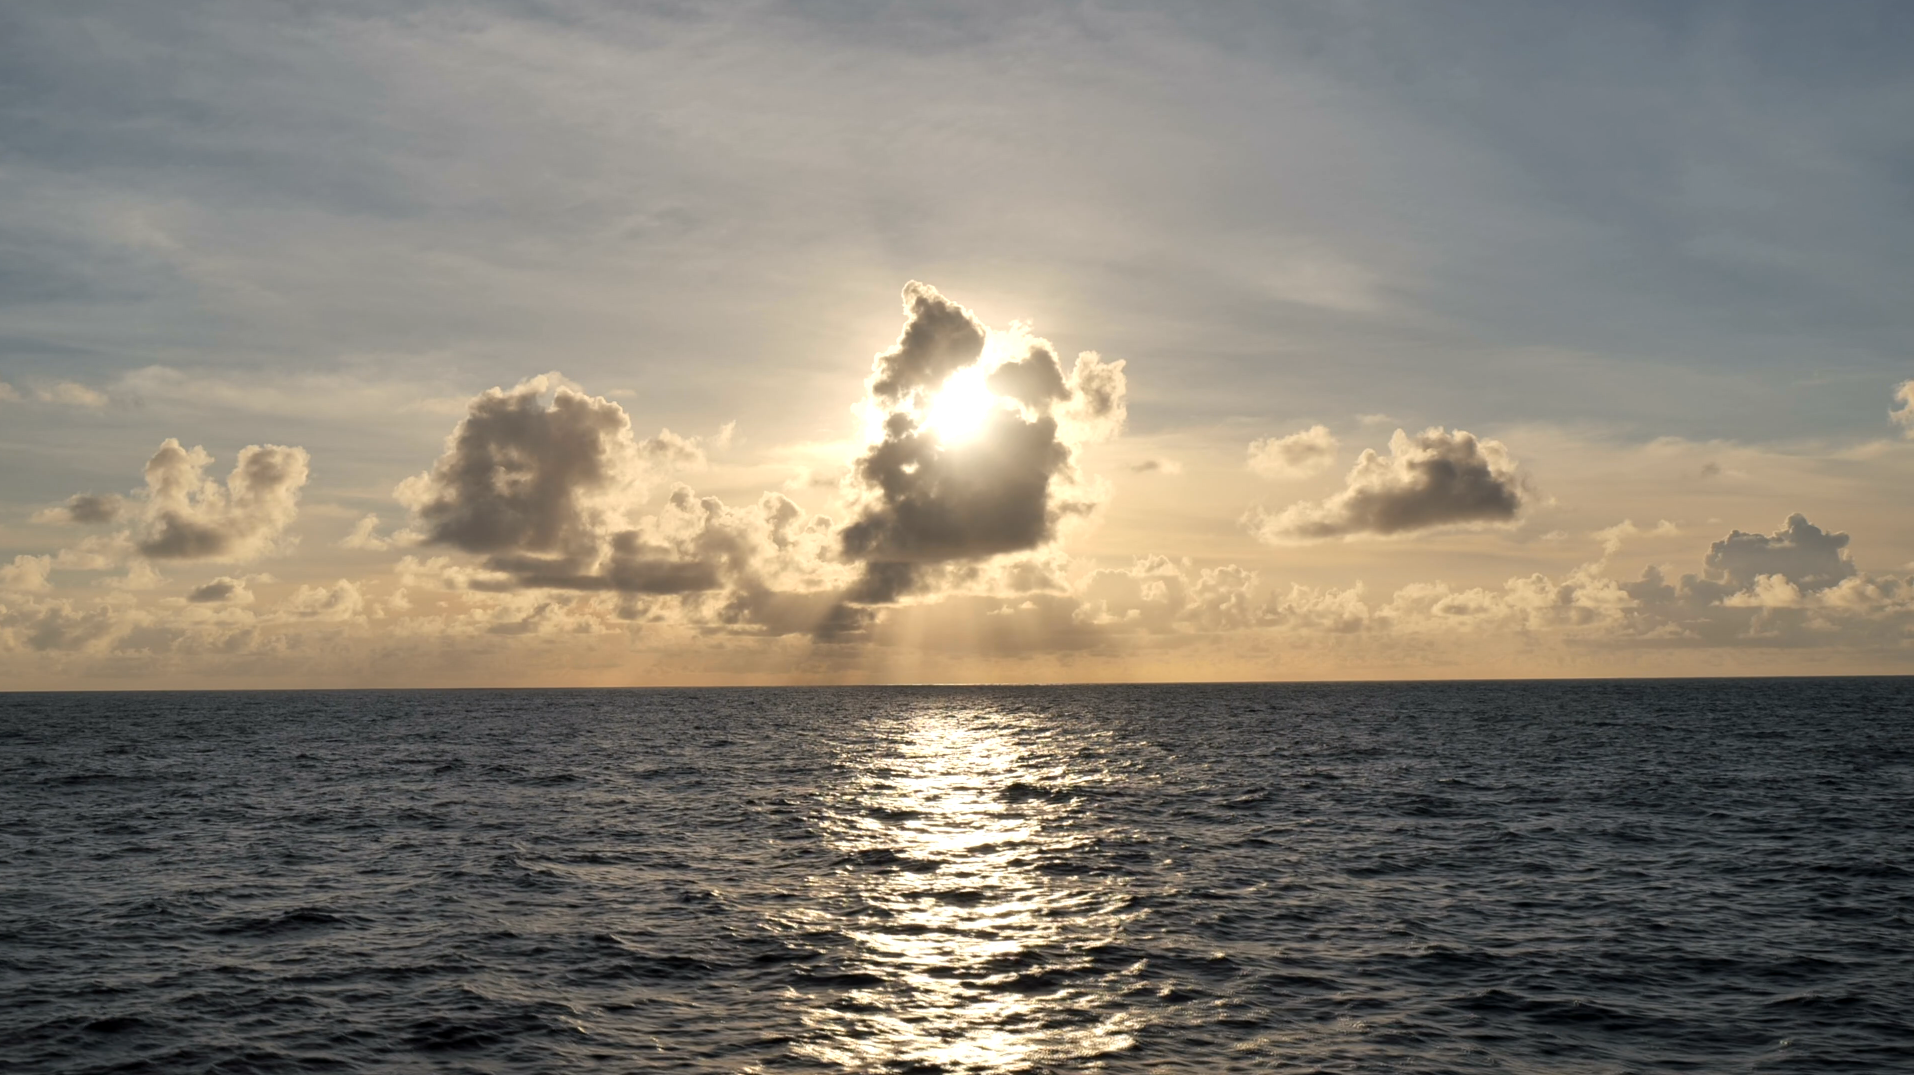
[484, 346]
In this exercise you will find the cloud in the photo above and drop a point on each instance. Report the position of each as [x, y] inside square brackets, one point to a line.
[71, 394]
[97, 552]
[187, 516]
[1613, 536]
[1802, 553]
[1793, 588]
[971, 459]
[939, 338]
[1296, 456]
[1157, 594]
[1169, 467]
[140, 575]
[541, 468]
[85, 509]
[1436, 479]
[26, 574]
[1903, 410]
[221, 591]
[1098, 406]
[668, 449]
[544, 482]
[973, 454]
[8, 392]
[57, 626]
[339, 602]
[364, 536]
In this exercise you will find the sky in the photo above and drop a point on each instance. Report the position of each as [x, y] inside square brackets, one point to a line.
[545, 343]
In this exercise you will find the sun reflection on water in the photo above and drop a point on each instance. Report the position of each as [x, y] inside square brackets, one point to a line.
[972, 950]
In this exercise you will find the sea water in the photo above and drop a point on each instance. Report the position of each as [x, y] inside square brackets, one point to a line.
[1522, 877]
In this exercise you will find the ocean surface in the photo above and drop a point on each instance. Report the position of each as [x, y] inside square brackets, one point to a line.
[1522, 877]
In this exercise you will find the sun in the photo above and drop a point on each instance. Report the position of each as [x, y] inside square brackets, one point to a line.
[960, 409]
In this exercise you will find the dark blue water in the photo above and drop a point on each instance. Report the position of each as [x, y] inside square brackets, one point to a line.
[1561, 877]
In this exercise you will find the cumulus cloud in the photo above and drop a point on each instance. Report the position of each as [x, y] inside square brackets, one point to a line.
[1098, 405]
[188, 516]
[1158, 594]
[971, 462]
[1792, 588]
[26, 574]
[1434, 479]
[939, 338]
[545, 481]
[336, 603]
[1800, 552]
[1903, 410]
[1296, 456]
[974, 450]
[85, 509]
[538, 469]
[668, 449]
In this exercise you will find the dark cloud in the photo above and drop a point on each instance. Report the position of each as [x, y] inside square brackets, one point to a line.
[1434, 479]
[84, 509]
[543, 481]
[926, 497]
[939, 338]
[1793, 587]
[937, 503]
[1804, 554]
[524, 473]
[187, 516]
[221, 591]
[1034, 380]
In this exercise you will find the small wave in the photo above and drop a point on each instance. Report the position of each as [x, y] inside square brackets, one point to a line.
[294, 921]
[1021, 792]
[887, 856]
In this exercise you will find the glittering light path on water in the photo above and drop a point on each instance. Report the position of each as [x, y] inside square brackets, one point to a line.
[958, 925]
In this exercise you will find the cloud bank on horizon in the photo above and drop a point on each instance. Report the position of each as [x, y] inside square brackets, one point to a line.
[1383, 325]
[546, 517]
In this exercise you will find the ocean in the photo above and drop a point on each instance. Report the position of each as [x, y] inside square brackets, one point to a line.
[1560, 877]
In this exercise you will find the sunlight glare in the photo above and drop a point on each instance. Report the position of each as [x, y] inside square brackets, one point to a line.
[960, 410]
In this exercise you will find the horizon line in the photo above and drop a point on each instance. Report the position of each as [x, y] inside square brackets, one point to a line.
[7, 692]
